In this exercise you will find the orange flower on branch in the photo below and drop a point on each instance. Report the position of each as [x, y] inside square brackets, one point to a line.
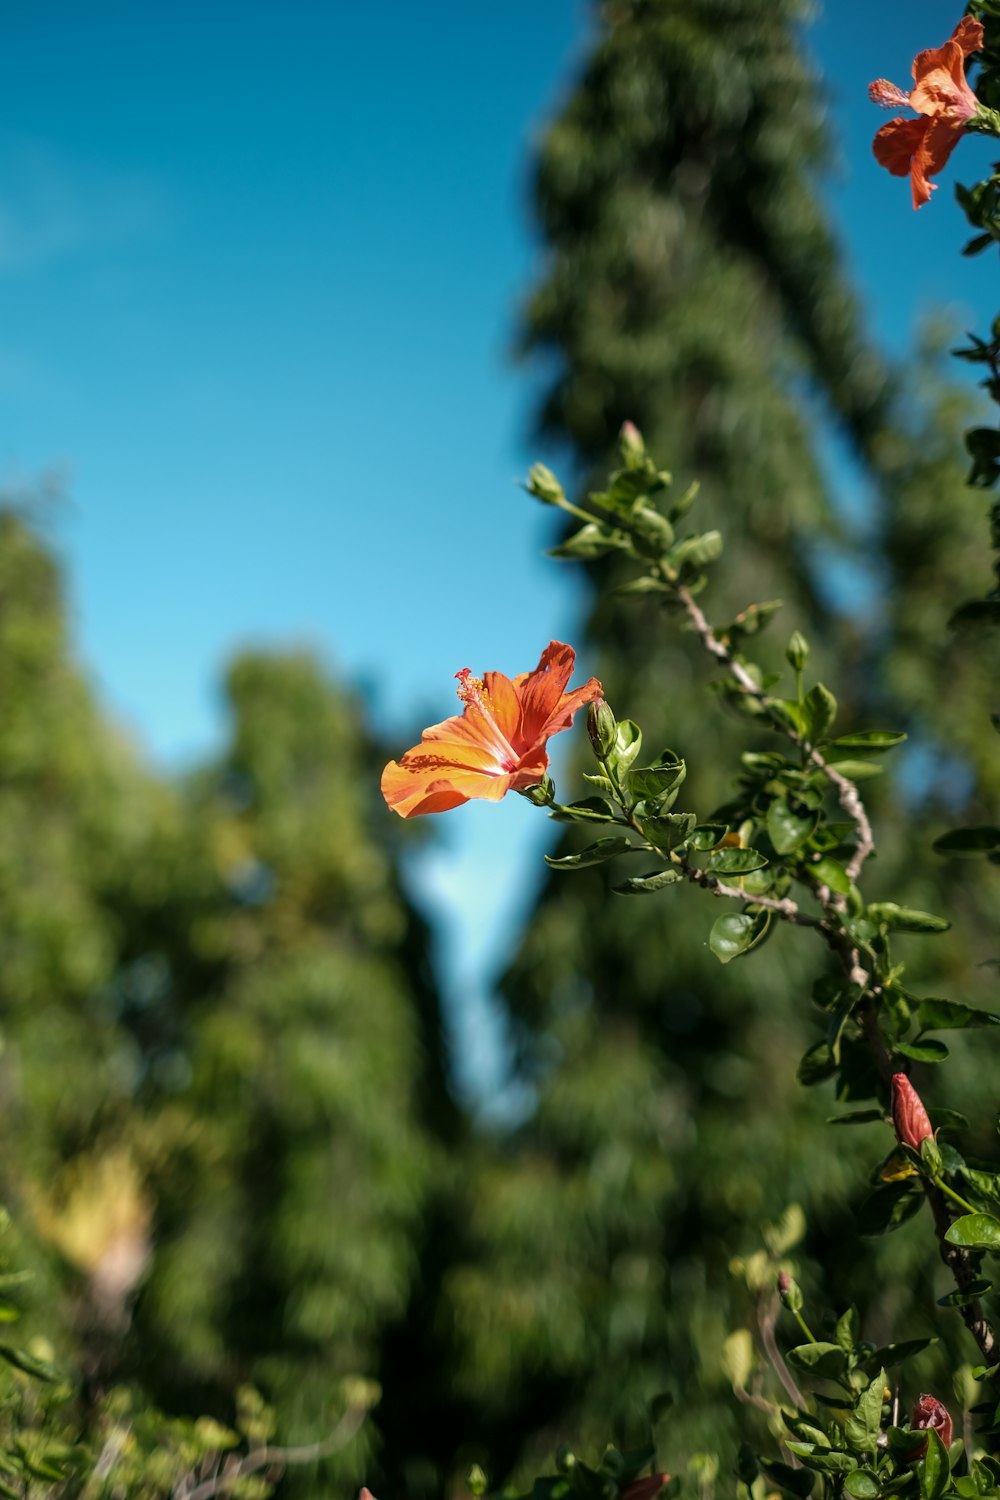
[496, 745]
[944, 103]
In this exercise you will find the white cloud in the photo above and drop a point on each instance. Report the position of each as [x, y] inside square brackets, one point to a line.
[53, 208]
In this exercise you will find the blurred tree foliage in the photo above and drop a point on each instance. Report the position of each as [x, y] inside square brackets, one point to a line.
[222, 1090]
[692, 283]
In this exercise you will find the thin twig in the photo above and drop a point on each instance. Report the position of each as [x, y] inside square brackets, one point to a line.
[766, 1320]
[785, 908]
[281, 1458]
[847, 792]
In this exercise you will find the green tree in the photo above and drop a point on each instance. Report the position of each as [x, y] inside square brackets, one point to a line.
[300, 1147]
[222, 1084]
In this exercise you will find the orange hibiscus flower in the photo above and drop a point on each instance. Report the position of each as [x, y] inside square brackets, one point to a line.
[943, 100]
[496, 745]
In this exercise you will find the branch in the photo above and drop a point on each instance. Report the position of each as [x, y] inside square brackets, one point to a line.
[266, 1457]
[959, 1263]
[847, 792]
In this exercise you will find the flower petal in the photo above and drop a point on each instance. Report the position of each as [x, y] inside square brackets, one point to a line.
[942, 91]
[426, 782]
[546, 708]
[894, 145]
[540, 691]
[454, 762]
[939, 142]
[969, 35]
[505, 706]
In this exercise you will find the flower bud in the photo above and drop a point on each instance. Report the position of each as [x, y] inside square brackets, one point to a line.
[544, 485]
[631, 445]
[929, 1412]
[542, 794]
[908, 1114]
[644, 1489]
[602, 728]
[789, 1292]
[797, 651]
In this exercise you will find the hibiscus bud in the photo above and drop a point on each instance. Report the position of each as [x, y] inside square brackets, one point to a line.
[544, 485]
[908, 1114]
[542, 794]
[789, 1292]
[797, 651]
[602, 727]
[929, 1412]
[644, 1489]
[631, 445]
[365, 1493]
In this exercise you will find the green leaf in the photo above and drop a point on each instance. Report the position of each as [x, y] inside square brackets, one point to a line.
[828, 872]
[858, 770]
[894, 1354]
[594, 854]
[904, 918]
[589, 809]
[889, 1206]
[789, 713]
[602, 783]
[947, 1119]
[788, 830]
[935, 1471]
[975, 1232]
[962, 1298]
[869, 739]
[968, 841]
[751, 619]
[848, 1327]
[645, 885]
[707, 836]
[734, 861]
[820, 708]
[21, 1360]
[947, 1015]
[862, 1427]
[645, 584]
[824, 1460]
[592, 540]
[861, 1484]
[669, 831]
[697, 551]
[625, 751]
[736, 933]
[652, 533]
[984, 1184]
[653, 782]
[927, 1052]
[827, 1360]
[796, 1481]
[816, 1065]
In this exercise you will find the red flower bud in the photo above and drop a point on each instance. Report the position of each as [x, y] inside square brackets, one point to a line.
[644, 1489]
[908, 1113]
[930, 1412]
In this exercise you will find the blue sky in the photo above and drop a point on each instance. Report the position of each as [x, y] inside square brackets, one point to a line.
[259, 269]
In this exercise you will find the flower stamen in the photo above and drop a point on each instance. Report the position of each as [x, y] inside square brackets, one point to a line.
[886, 95]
